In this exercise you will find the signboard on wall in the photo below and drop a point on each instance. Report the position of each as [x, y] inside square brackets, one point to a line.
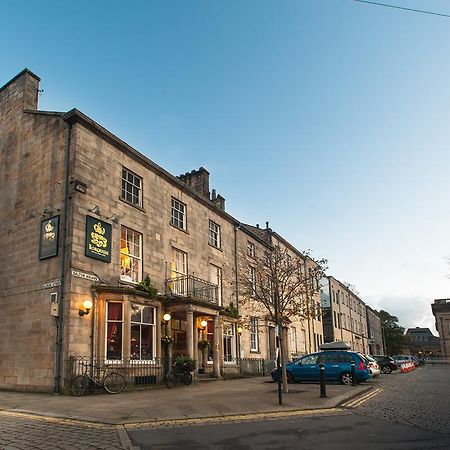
[98, 239]
[49, 237]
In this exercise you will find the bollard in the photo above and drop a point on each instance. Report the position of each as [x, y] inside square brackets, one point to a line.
[323, 386]
[353, 374]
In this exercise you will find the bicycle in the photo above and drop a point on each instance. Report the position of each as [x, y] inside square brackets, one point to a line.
[178, 374]
[112, 382]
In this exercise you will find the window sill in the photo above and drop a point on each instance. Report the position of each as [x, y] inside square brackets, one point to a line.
[128, 282]
[179, 229]
[140, 208]
[258, 352]
[217, 248]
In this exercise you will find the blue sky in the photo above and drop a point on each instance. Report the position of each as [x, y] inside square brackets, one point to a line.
[327, 118]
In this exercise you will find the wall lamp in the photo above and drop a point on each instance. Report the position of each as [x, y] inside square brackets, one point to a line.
[239, 330]
[203, 324]
[166, 317]
[87, 305]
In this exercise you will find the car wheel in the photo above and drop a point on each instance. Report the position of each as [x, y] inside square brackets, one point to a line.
[346, 378]
[386, 369]
[290, 378]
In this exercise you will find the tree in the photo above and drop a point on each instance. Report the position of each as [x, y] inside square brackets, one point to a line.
[285, 287]
[393, 333]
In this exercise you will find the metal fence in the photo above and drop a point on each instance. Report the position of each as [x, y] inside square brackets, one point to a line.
[137, 373]
[193, 287]
[148, 373]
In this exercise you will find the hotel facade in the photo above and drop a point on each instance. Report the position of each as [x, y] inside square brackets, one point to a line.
[88, 218]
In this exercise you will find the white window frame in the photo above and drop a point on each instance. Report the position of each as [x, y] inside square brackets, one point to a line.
[128, 252]
[254, 334]
[216, 278]
[178, 216]
[131, 187]
[179, 269]
[214, 235]
[250, 249]
[229, 343]
[141, 323]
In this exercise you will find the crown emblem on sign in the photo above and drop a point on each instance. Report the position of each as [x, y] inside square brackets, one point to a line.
[99, 229]
[49, 227]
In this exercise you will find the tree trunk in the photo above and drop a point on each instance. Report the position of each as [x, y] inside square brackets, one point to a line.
[283, 360]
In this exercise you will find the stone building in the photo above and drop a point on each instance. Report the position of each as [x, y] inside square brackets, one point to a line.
[113, 257]
[345, 316]
[441, 312]
[421, 341]
[375, 340]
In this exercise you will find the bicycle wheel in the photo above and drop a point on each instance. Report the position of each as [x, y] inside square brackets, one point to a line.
[114, 383]
[171, 380]
[187, 378]
[80, 385]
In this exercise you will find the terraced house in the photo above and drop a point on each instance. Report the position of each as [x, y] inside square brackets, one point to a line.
[112, 257]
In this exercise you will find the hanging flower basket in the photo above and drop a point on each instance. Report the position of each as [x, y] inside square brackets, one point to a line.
[166, 339]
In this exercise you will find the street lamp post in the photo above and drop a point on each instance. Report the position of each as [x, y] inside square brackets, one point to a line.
[166, 318]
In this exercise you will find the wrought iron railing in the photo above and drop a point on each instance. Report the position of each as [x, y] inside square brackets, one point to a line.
[193, 287]
[137, 373]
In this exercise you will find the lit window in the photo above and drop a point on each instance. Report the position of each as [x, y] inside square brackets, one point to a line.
[130, 255]
[142, 340]
[250, 249]
[131, 187]
[214, 234]
[114, 327]
[178, 214]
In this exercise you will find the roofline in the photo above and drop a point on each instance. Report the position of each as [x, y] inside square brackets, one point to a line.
[347, 289]
[76, 116]
[43, 113]
[28, 71]
[248, 231]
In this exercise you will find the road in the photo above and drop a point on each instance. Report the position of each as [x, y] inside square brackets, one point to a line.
[404, 411]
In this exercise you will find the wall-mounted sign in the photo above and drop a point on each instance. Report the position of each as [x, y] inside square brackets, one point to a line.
[98, 239]
[48, 239]
[51, 284]
[85, 276]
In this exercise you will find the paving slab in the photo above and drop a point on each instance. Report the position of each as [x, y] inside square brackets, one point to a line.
[199, 400]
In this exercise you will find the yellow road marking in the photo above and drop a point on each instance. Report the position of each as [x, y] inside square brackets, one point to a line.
[359, 401]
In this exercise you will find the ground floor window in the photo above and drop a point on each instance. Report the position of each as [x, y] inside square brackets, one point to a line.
[143, 332]
[130, 331]
[114, 330]
[229, 342]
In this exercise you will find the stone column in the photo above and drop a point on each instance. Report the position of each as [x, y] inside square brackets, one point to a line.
[190, 333]
[216, 347]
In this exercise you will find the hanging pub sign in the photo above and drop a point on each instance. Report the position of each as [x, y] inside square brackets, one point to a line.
[49, 237]
[98, 239]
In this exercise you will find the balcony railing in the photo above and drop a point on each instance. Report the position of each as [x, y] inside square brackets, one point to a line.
[193, 288]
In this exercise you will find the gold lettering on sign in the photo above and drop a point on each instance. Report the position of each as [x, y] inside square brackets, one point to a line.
[97, 237]
[49, 233]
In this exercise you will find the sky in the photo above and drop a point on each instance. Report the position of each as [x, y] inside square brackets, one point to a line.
[327, 118]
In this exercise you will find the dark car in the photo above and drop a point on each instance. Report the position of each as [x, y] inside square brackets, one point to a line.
[386, 363]
[337, 365]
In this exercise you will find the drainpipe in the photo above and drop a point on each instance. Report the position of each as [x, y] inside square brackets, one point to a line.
[60, 318]
[236, 280]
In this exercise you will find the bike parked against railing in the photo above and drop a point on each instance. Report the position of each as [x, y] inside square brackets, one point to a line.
[112, 382]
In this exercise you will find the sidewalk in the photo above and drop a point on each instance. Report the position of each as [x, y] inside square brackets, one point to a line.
[205, 399]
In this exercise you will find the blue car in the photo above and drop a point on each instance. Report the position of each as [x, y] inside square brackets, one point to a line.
[337, 365]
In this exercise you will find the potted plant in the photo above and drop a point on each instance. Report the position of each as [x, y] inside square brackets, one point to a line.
[183, 364]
